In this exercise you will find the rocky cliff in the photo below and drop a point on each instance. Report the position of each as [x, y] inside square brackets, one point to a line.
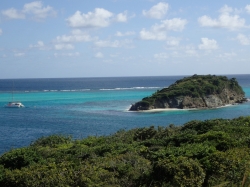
[197, 91]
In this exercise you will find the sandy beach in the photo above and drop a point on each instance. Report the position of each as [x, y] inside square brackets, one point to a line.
[178, 109]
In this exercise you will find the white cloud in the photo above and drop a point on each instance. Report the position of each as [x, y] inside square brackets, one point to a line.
[159, 31]
[190, 51]
[67, 54]
[152, 35]
[161, 56]
[76, 36]
[105, 43]
[120, 34]
[248, 8]
[99, 18]
[244, 40]
[113, 44]
[122, 17]
[99, 55]
[171, 41]
[39, 45]
[208, 44]
[175, 24]
[1, 32]
[65, 42]
[226, 9]
[225, 20]
[64, 46]
[37, 9]
[227, 55]
[12, 13]
[158, 11]
[19, 54]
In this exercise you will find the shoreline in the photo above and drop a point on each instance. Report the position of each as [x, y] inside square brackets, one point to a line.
[178, 109]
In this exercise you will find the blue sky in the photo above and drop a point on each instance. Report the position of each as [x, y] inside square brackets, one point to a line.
[81, 38]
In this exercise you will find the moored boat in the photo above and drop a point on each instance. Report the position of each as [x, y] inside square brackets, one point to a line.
[14, 105]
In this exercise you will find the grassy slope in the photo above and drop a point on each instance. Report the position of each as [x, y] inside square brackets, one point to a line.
[199, 153]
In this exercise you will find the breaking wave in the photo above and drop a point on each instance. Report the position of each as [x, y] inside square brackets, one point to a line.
[132, 88]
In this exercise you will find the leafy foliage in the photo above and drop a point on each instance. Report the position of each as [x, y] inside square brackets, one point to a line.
[199, 153]
[52, 140]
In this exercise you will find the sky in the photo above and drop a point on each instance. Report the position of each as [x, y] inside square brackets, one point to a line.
[114, 38]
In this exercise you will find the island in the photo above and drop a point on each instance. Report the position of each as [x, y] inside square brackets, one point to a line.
[195, 92]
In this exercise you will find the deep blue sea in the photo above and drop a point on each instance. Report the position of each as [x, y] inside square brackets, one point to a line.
[84, 107]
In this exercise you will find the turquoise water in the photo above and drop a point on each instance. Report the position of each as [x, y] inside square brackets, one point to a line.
[92, 108]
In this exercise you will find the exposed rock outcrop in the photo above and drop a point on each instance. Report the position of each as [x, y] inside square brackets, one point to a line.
[198, 91]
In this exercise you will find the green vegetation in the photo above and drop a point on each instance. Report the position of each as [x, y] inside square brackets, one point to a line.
[200, 85]
[195, 86]
[199, 153]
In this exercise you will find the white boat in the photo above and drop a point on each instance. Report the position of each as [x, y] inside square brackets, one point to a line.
[14, 105]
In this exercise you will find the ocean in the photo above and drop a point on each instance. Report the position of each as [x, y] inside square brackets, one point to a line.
[83, 107]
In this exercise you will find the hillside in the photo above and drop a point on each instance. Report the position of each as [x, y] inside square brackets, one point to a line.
[199, 153]
[197, 91]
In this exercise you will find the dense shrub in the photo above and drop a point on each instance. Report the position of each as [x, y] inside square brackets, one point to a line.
[52, 140]
[18, 158]
[179, 171]
[199, 153]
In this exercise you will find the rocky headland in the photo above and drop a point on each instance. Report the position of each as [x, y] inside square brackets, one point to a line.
[195, 92]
